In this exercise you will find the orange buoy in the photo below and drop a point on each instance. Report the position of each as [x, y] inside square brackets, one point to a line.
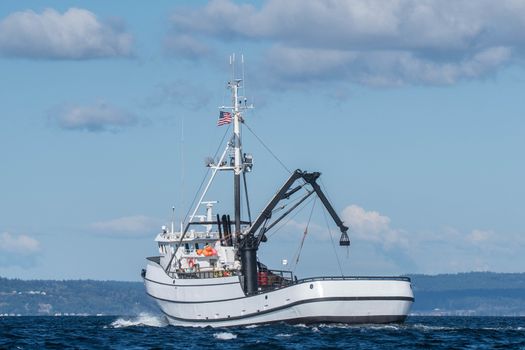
[199, 251]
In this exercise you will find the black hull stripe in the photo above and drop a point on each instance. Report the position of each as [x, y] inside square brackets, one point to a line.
[306, 301]
[253, 296]
[191, 285]
[334, 319]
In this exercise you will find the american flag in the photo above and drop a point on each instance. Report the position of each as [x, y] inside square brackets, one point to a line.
[224, 118]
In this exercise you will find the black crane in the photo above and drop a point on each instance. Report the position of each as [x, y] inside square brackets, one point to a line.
[251, 239]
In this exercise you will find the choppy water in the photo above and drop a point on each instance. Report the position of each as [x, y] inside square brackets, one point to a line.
[153, 332]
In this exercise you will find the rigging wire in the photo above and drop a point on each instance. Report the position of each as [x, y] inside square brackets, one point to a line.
[328, 196]
[267, 148]
[182, 160]
[291, 217]
[290, 201]
[298, 254]
[206, 174]
[333, 245]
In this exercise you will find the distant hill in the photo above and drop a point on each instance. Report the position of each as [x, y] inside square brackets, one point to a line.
[473, 293]
[41, 297]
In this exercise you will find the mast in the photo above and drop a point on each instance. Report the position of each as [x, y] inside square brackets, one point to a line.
[246, 243]
[237, 168]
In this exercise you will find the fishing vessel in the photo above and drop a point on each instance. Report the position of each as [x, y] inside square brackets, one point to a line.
[208, 273]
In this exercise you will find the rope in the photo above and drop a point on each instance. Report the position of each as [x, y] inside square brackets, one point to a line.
[291, 217]
[298, 254]
[333, 245]
[325, 190]
[268, 148]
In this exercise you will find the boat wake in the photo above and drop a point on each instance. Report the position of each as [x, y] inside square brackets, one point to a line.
[225, 336]
[141, 320]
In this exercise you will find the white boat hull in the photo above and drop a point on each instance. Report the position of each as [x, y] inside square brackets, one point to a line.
[221, 302]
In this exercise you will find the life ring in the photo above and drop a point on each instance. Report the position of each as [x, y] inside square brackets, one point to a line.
[191, 263]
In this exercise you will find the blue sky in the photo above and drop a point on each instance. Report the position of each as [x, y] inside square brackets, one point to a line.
[413, 112]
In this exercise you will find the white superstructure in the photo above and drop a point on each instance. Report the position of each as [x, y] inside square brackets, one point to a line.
[207, 274]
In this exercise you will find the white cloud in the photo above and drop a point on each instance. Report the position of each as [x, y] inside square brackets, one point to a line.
[131, 226]
[380, 68]
[374, 227]
[18, 250]
[370, 42]
[75, 34]
[365, 222]
[18, 244]
[377, 247]
[95, 118]
[479, 236]
[433, 251]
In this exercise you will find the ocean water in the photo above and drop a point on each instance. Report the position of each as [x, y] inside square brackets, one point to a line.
[153, 332]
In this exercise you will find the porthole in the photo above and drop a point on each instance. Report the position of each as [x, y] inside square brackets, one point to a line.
[311, 286]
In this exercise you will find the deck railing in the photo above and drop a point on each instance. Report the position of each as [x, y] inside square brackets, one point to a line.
[344, 278]
[270, 279]
[206, 274]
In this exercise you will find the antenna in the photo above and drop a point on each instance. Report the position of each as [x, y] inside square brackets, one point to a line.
[182, 166]
[243, 81]
[173, 220]
[232, 63]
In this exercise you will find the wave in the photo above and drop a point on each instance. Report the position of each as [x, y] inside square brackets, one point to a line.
[502, 328]
[141, 320]
[458, 328]
[224, 336]
[432, 328]
[301, 325]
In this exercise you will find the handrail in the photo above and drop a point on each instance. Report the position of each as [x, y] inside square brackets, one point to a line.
[206, 274]
[283, 273]
[285, 283]
[341, 278]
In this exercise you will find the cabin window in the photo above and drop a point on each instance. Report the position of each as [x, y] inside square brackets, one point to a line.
[187, 248]
[196, 246]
